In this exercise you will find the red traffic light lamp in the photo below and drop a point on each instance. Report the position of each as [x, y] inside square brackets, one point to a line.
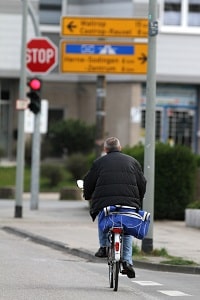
[34, 95]
[35, 84]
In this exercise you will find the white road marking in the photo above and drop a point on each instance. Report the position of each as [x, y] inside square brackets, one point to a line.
[147, 283]
[174, 293]
[166, 292]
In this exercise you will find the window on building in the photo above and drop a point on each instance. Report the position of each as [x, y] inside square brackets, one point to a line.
[5, 94]
[4, 89]
[193, 12]
[172, 12]
[181, 13]
[50, 12]
[181, 127]
[158, 121]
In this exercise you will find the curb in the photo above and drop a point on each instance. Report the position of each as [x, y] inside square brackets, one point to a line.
[52, 244]
[90, 256]
[167, 268]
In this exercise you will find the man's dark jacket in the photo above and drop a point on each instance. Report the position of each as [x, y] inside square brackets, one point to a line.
[115, 178]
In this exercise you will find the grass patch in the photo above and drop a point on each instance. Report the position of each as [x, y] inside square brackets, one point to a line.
[8, 179]
[178, 261]
[162, 253]
[136, 250]
[8, 176]
[156, 252]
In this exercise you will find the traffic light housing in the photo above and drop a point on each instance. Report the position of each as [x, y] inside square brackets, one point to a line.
[34, 95]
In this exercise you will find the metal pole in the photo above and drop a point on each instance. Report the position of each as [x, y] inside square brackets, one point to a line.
[34, 19]
[64, 7]
[149, 154]
[20, 139]
[100, 114]
[35, 163]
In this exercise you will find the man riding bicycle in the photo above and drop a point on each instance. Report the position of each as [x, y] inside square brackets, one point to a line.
[115, 179]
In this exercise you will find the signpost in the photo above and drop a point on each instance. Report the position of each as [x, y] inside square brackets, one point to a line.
[21, 136]
[41, 55]
[103, 57]
[41, 58]
[104, 27]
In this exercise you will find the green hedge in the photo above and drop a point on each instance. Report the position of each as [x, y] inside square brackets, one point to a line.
[77, 164]
[69, 137]
[175, 171]
[53, 173]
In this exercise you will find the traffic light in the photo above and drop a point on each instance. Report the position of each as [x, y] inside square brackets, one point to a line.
[34, 95]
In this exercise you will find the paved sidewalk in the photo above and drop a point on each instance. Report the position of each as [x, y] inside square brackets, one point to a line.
[67, 224]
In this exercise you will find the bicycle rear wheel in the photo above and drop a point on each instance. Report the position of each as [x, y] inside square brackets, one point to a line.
[111, 277]
[110, 261]
[116, 274]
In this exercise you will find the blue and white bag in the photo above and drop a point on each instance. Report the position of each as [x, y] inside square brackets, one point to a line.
[134, 222]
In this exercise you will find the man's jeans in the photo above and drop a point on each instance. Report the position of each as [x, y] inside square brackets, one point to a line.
[127, 245]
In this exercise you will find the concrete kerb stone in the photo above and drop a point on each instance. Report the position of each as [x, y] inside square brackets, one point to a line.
[167, 268]
[52, 244]
[90, 256]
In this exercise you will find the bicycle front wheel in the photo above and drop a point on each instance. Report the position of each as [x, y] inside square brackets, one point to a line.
[116, 274]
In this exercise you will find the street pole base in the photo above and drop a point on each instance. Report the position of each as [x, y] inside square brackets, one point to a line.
[147, 245]
[18, 211]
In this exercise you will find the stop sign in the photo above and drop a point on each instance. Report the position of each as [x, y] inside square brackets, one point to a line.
[41, 55]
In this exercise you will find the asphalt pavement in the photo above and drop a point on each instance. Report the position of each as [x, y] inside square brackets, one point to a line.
[67, 226]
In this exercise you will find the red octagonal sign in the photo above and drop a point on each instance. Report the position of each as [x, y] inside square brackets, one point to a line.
[41, 55]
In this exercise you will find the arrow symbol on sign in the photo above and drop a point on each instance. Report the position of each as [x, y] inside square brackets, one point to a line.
[143, 58]
[71, 26]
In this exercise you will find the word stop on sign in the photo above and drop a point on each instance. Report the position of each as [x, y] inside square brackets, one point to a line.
[41, 55]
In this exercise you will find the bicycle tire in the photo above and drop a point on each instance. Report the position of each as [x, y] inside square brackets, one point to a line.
[110, 262]
[111, 277]
[116, 275]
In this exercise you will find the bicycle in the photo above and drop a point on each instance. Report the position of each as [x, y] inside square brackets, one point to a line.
[115, 236]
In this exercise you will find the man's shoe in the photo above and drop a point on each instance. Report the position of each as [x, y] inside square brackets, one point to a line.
[102, 252]
[128, 270]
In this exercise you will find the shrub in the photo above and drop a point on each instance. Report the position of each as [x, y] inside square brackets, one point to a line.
[53, 173]
[198, 160]
[70, 136]
[137, 152]
[77, 164]
[90, 158]
[175, 171]
[194, 205]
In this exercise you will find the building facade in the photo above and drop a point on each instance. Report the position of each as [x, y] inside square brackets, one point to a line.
[74, 95]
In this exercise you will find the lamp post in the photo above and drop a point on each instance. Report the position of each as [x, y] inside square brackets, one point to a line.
[21, 138]
[149, 153]
[26, 8]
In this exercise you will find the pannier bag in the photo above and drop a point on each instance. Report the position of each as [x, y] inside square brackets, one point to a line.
[134, 222]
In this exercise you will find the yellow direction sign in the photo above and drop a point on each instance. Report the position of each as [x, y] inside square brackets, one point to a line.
[104, 27]
[103, 58]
